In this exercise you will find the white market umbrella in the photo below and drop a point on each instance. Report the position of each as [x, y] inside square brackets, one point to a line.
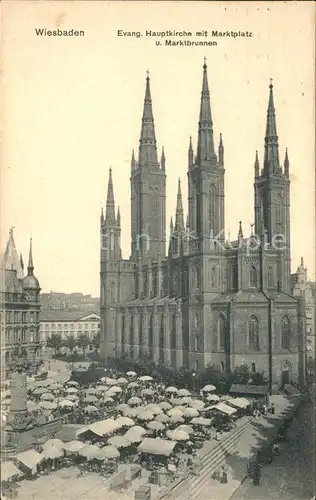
[73, 446]
[212, 398]
[184, 392]
[186, 428]
[134, 401]
[110, 452]
[177, 435]
[125, 422]
[53, 442]
[122, 381]
[72, 382]
[190, 412]
[130, 412]
[172, 390]
[131, 374]
[71, 390]
[164, 405]
[119, 442]
[47, 396]
[145, 415]
[162, 418]
[155, 426]
[52, 452]
[47, 405]
[153, 408]
[145, 378]
[176, 418]
[209, 388]
[122, 406]
[66, 403]
[133, 385]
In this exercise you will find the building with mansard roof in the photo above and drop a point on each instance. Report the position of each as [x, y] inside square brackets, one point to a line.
[20, 301]
[206, 300]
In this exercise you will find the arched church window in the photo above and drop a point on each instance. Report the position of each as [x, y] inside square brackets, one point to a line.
[278, 215]
[151, 331]
[285, 332]
[253, 277]
[173, 340]
[270, 277]
[161, 333]
[112, 291]
[253, 367]
[253, 333]
[112, 241]
[123, 329]
[221, 330]
[196, 320]
[197, 346]
[214, 277]
[131, 330]
[212, 208]
[198, 279]
[198, 214]
[141, 319]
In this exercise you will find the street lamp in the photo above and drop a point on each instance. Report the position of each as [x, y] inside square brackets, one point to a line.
[194, 375]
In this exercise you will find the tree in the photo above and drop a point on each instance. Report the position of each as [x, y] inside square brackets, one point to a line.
[96, 342]
[70, 343]
[83, 341]
[55, 342]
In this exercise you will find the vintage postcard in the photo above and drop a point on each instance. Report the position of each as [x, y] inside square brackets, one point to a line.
[158, 250]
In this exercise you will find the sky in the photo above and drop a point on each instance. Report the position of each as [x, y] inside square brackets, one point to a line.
[72, 108]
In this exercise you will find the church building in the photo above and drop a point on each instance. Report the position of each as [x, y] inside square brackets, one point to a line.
[200, 299]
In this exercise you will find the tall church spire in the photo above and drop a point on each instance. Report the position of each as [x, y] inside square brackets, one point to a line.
[110, 203]
[147, 143]
[205, 148]
[271, 153]
[30, 267]
[179, 222]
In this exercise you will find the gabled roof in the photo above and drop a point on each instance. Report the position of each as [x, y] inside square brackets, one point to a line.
[11, 259]
[11, 281]
[61, 315]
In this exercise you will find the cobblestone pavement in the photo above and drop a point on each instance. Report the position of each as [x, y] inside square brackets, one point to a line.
[291, 475]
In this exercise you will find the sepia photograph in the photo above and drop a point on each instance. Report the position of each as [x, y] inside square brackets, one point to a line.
[158, 287]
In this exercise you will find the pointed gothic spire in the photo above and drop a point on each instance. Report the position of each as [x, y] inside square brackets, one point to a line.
[118, 217]
[30, 267]
[286, 164]
[179, 222]
[11, 258]
[163, 159]
[110, 203]
[240, 231]
[21, 262]
[133, 162]
[257, 166]
[147, 143]
[271, 153]
[205, 148]
[102, 217]
[221, 149]
[190, 153]
[171, 227]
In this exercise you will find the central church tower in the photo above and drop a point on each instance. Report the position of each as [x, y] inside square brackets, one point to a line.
[148, 191]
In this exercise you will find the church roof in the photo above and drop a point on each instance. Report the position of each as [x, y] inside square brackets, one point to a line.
[282, 297]
[11, 259]
[11, 282]
[241, 296]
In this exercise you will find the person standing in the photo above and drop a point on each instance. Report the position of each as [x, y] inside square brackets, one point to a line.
[256, 474]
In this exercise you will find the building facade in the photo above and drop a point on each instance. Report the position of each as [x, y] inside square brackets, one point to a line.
[206, 300]
[69, 324]
[301, 285]
[68, 301]
[20, 306]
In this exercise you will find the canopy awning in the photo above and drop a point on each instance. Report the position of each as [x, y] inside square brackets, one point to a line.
[30, 458]
[157, 446]
[255, 390]
[223, 408]
[101, 428]
[201, 421]
[238, 402]
[9, 471]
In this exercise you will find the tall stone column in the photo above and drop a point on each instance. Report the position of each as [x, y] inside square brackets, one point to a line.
[145, 330]
[136, 333]
[118, 333]
[155, 347]
[179, 343]
[167, 324]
